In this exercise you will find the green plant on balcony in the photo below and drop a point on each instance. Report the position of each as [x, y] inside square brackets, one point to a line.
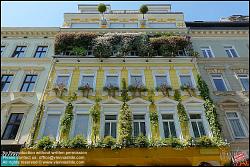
[60, 89]
[143, 10]
[204, 141]
[78, 142]
[108, 141]
[141, 141]
[173, 142]
[78, 51]
[85, 89]
[45, 143]
[111, 89]
[189, 88]
[102, 8]
[164, 88]
[137, 89]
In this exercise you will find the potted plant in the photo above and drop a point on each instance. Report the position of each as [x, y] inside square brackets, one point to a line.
[137, 89]
[164, 88]
[111, 90]
[59, 89]
[143, 10]
[102, 8]
[85, 90]
[189, 88]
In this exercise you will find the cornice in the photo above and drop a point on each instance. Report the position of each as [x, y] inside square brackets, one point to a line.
[25, 59]
[215, 69]
[223, 60]
[205, 33]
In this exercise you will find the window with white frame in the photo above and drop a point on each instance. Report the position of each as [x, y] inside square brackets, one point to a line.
[81, 125]
[139, 126]
[28, 83]
[136, 80]
[62, 80]
[87, 80]
[112, 80]
[12, 126]
[19, 51]
[244, 80]
[5, 82]
[231, 52]
[168, 125]
[110, 126]
[161, 80]
[186, 80]
[219, 82]
[51, 125]
[236, 125]
[207, 52]
[197, 125]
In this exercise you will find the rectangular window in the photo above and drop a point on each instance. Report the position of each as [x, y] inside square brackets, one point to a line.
[19, 52]
[12, 126]
[231, 52]
[51, 126]
[112, 80]
[136, 80]
[197, 125]
[219, 82]
[244, 80]
[81, 125]
[85, 25]
[162, 25]
[2, 49]
[28, 83]
[235, 124]
[168, 125]
[5, 82]
[90, 51]
[62, 80]
[110, 125]
[139, 125]
[87, 80]
[186, 80]
[41, 51]
[161, 80]
[207, 52]
[133, 53]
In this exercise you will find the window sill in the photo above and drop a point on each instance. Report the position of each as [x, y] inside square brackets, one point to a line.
[23, 94]
[5, 142]
[224, 93]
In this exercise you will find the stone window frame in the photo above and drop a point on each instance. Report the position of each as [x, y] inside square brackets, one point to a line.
[210, 48]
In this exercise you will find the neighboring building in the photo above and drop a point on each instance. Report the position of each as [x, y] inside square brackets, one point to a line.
[236, 18]
[26, 61]
[224, 65]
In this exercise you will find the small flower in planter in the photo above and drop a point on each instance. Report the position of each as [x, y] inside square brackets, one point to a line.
[59, 89]
[189, 88]
[111, 90]
[137, 89]
[85, 90]
[164, 88]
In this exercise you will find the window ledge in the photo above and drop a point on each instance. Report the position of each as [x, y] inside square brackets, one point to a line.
[23, 94]
[6, 142]
[224, 93]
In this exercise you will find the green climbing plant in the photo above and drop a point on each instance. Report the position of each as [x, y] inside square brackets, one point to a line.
[66, 122]
[210, 109]
[95, 112]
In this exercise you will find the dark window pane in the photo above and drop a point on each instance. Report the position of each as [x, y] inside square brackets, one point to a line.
[113, 129]
[195, 129]
[110, 117]
[12, 126]
[245, 83]
[136, 129]
[167, 116]
[107, 129]
[143, 128]
[195, 116]
[172, 129]
[220, 86]
[166, 129]
[138, 117]
[202, 130]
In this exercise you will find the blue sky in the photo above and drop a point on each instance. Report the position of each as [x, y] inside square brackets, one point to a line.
[50, 14]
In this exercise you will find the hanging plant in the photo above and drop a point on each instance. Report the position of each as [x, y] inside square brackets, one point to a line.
[164, 88]
[66, 121]
[95, 112]
[60, 89]
[85, 90]
[125, 125]
[189, 89]
[137, 89]
[111, 90]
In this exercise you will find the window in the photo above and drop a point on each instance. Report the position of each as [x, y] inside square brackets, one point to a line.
[186, 80]
[207, 52]
[28, 83]
[197, 125]
[12, 126]
[139, 125]
[2, 49]
[168, 125]
[110, 125]
[41, 51]
[62, 80]
[112, 80]
[81, 125]
[90, 51]
[231, 52]
[136, 80]
[235, 124]
[5, 82]
[162, 25]
[133, 53]
[85, 25]
[51, 126]
[219, 82]
[244, 80]
[19, 52]
[87, 80]
[160, 80]
[123, 25]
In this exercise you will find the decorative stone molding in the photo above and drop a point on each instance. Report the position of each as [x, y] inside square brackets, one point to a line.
[215, 69]
[33, 68]
[22, 33]
[24, 94]
[245, 93]
[240, 70]
[227, 93]
[219, 32]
